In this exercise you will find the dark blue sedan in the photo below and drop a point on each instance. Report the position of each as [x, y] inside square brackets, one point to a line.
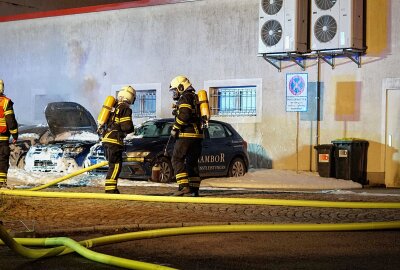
[224, 152]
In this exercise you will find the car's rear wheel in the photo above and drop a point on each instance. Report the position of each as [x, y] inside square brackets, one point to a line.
[166, 170]
[237, 168]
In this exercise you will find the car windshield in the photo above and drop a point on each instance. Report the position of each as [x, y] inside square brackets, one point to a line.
[153, 129]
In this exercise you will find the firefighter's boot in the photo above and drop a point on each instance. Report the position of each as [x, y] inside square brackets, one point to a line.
[182, 192]
[113, 191]
[194, 192]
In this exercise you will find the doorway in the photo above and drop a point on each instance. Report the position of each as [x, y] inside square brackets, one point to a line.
[392, 147]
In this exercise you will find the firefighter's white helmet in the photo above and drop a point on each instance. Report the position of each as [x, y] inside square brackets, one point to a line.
[181, 83]
[127, 94]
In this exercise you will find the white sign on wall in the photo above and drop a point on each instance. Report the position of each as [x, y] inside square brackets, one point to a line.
[296, 92]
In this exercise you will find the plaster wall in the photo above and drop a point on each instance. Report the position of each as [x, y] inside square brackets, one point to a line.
[80, 57]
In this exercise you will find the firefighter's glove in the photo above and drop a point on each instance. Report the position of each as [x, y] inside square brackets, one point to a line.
[175, 112]
[174, 133]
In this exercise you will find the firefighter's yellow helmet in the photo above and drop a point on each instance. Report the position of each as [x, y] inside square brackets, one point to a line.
[181, 83]
[127, 93]
[1, 87]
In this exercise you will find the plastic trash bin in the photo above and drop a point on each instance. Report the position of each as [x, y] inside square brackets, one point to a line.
[351, 160]
[326, 160]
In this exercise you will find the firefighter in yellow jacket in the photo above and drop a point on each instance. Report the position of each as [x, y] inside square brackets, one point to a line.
[187, 131]
[8, 127]
[118, 126]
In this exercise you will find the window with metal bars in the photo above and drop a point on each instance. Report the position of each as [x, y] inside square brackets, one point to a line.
[233, 100]
[145, 104]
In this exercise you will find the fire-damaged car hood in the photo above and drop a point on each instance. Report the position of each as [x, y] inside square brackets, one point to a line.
[63, 148]
[69, 117]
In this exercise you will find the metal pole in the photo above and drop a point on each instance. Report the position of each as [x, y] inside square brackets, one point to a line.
[297, 142]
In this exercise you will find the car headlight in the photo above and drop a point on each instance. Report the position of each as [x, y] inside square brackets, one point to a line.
[73, 150]
[140, 154]
[54, 150]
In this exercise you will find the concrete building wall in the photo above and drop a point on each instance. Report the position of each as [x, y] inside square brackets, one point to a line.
[81, 57]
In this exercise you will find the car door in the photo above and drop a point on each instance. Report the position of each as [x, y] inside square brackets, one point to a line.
[217, 151]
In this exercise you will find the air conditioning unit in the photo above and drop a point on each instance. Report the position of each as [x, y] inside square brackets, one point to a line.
[337, 24]
[283, 26]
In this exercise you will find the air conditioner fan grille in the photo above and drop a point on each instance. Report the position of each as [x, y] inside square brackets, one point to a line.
[271, 7]
[271, 33]
[325, 4]
[325, 28]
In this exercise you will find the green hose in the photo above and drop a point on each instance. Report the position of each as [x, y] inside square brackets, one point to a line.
[102, 258]
[172, 199]
[64, 242]
[26, 252]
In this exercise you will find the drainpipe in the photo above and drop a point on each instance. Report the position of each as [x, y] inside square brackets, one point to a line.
[318, 100]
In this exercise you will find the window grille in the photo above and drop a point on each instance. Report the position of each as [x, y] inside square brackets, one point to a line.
[233, 101]
[145, 104]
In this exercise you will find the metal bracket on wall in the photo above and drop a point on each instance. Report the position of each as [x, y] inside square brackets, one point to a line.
[327, 56]
[329, 59]
[299, 60]
[276, 60]
[354, 55]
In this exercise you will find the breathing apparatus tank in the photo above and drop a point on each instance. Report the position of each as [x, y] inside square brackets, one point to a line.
[108, 107]
[204, 107]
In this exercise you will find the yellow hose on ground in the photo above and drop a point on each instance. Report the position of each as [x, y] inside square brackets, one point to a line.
[118, 238]
[98, 165]
[64, 242]
[124, 237]
[241, 201]
[205, 200]
[276, 227]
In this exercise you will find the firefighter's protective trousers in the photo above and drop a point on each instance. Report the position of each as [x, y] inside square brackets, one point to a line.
[114, 156]
[185, 161]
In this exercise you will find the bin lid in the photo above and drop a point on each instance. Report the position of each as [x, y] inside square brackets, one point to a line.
[350, 141]
[323, 146]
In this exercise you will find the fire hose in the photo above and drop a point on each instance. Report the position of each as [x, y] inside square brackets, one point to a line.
[67, 245]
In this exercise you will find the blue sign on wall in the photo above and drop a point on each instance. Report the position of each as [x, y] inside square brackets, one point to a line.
[296, 92]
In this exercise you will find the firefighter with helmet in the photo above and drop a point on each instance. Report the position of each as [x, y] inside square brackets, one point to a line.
[188, 133]
[119, 124]
[8, 127]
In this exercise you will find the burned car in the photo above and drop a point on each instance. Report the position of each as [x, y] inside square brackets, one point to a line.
[224, 151]
[28, 136]
[62, 146]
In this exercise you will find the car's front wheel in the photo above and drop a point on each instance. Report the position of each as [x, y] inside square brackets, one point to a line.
[237, 168]
[166, 170]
